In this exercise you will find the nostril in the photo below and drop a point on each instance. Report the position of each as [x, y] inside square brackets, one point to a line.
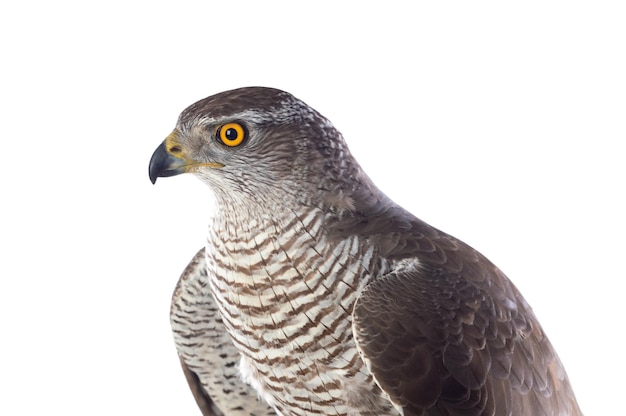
[176, 149]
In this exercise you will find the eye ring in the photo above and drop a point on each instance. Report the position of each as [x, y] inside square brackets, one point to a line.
[231, 134]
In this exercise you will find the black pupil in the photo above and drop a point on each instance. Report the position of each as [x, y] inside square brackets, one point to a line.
[231, 134]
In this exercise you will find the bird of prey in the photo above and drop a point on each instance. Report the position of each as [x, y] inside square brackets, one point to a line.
[318, 295]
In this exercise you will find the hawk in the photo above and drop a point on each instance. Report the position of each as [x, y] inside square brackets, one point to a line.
[320, 295]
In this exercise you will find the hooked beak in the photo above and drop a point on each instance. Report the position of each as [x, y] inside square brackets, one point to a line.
[163, 163]
[169, 159]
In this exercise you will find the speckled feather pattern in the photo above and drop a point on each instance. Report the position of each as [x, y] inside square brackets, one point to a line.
[333, 299]
[207, 354]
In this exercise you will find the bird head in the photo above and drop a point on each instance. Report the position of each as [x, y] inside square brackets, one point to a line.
[251, 142]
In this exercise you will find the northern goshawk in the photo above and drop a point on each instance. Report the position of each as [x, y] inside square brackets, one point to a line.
[322, 296]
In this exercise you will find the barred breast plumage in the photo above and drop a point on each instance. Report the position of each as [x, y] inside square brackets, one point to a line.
[288, 311]
[334, 300]
[209, 358]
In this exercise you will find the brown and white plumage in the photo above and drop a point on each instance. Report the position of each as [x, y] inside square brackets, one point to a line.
[334, 299]
[207, 355]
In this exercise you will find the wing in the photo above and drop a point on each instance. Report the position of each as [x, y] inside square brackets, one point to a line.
[204, 401]
[207, 355]
[453, 336]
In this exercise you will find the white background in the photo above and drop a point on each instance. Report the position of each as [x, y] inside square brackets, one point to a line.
[503, 125]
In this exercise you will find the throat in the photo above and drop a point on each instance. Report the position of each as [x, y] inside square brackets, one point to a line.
[282, 273]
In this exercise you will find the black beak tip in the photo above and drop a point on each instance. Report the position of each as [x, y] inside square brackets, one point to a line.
[159, 162]
[162, 164]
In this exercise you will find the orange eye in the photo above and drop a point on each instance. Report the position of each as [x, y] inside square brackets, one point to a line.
[231, 134]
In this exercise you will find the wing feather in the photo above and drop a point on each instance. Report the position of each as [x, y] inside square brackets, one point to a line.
[451, 335]
[207, 355]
